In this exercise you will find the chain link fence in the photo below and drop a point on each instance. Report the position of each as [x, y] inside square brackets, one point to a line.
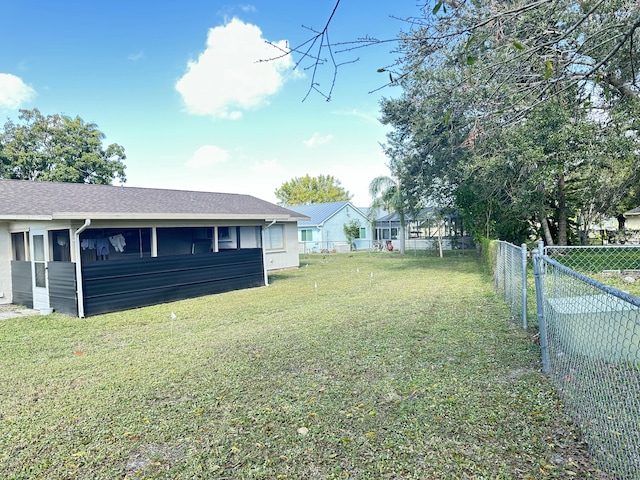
[590, 342]
[596, 259]
[510, 277]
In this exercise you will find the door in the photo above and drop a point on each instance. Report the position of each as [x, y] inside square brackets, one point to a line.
[39, 254]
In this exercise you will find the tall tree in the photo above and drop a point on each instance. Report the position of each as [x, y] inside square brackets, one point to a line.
[58, 148]
[307, 189]
[494, 113]
[389, 194]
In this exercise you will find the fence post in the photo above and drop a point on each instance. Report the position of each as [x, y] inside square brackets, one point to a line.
[542, 326]
[524, 285]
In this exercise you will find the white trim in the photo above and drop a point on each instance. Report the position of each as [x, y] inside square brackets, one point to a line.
[79, 290]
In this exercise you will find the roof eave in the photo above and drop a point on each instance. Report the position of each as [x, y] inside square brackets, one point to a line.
[9, 217]
[263, 217]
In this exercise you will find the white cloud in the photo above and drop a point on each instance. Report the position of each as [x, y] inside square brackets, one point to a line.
[248, 8]
[368, 117]
[317, 139]
[134, 57]
[13, 91]
[230, 75]
[207, 155]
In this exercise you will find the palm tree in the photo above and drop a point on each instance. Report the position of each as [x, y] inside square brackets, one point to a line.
[387, 193]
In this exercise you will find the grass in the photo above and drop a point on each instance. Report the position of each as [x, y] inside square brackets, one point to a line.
[366, 366]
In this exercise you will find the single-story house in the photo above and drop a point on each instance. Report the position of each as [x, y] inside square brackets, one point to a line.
[85, 249]
[422, 230]
[632, 219]
[324, 230]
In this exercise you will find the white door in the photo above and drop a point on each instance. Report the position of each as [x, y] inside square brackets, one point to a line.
[39, 280]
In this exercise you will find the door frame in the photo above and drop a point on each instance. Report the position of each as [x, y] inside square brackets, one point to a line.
[39, 256]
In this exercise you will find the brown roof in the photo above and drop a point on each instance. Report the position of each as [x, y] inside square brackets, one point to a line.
[21, 199]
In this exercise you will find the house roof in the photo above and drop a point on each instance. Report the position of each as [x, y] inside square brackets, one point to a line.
[21, 199]
[319, 213]
[635, 211]
[394, 217]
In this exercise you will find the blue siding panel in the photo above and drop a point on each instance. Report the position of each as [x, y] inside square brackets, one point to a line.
[125, 284]
[21, 290]
[62, 287]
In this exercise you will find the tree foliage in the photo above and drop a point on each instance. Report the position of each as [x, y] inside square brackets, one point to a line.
[351, 230]
[389, 194]
[518, 115]
[307, 189]
[522, 114]
[58, 148]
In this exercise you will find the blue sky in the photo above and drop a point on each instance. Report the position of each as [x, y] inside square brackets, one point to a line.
[176, 83]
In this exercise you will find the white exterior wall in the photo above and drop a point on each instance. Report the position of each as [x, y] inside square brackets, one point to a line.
[5, 263]
[289, 257]
[632, 222]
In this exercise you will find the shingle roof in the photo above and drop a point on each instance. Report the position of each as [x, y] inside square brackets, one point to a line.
[635, 211]
[318, 213]
[25, 199]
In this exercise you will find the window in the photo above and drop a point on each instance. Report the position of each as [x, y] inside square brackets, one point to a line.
[59, 244]
[114, 244]
[363, 232]
[227, 238]
[18, 246]
[274, 237]
[306, 235]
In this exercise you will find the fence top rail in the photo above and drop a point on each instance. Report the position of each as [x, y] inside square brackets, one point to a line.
[590, 247]
[635, 301]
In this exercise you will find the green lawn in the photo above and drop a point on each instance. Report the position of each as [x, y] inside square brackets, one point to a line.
[365, 366]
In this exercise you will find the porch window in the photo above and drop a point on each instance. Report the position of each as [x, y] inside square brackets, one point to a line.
[59, 244]
[227, 238]
[184, 240]
[38, 260]
[101, 244]
[274, 237]
[18, 247]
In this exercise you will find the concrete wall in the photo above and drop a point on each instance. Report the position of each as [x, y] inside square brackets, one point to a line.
[5, 263]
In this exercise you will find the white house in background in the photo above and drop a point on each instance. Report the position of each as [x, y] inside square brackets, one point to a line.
[86, 249]
[325, 228]
[632, 219]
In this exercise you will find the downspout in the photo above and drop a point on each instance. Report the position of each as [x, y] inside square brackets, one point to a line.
[264, 254]
[79, 290]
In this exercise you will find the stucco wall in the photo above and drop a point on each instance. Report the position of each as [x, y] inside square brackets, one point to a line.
[5, 263]
[632, 222]
[289, 257]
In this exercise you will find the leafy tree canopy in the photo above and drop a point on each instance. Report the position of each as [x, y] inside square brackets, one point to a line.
[523, 114]
[58, 148]
[307, 189]
[351, 230]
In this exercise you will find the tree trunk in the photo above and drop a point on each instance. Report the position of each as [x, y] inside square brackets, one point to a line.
[547, 231]
[401, 233]
[562, 212]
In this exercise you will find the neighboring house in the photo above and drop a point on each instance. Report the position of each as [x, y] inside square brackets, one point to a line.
[632, 219]
[325, 228]
[422, 231]
[85, 249]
